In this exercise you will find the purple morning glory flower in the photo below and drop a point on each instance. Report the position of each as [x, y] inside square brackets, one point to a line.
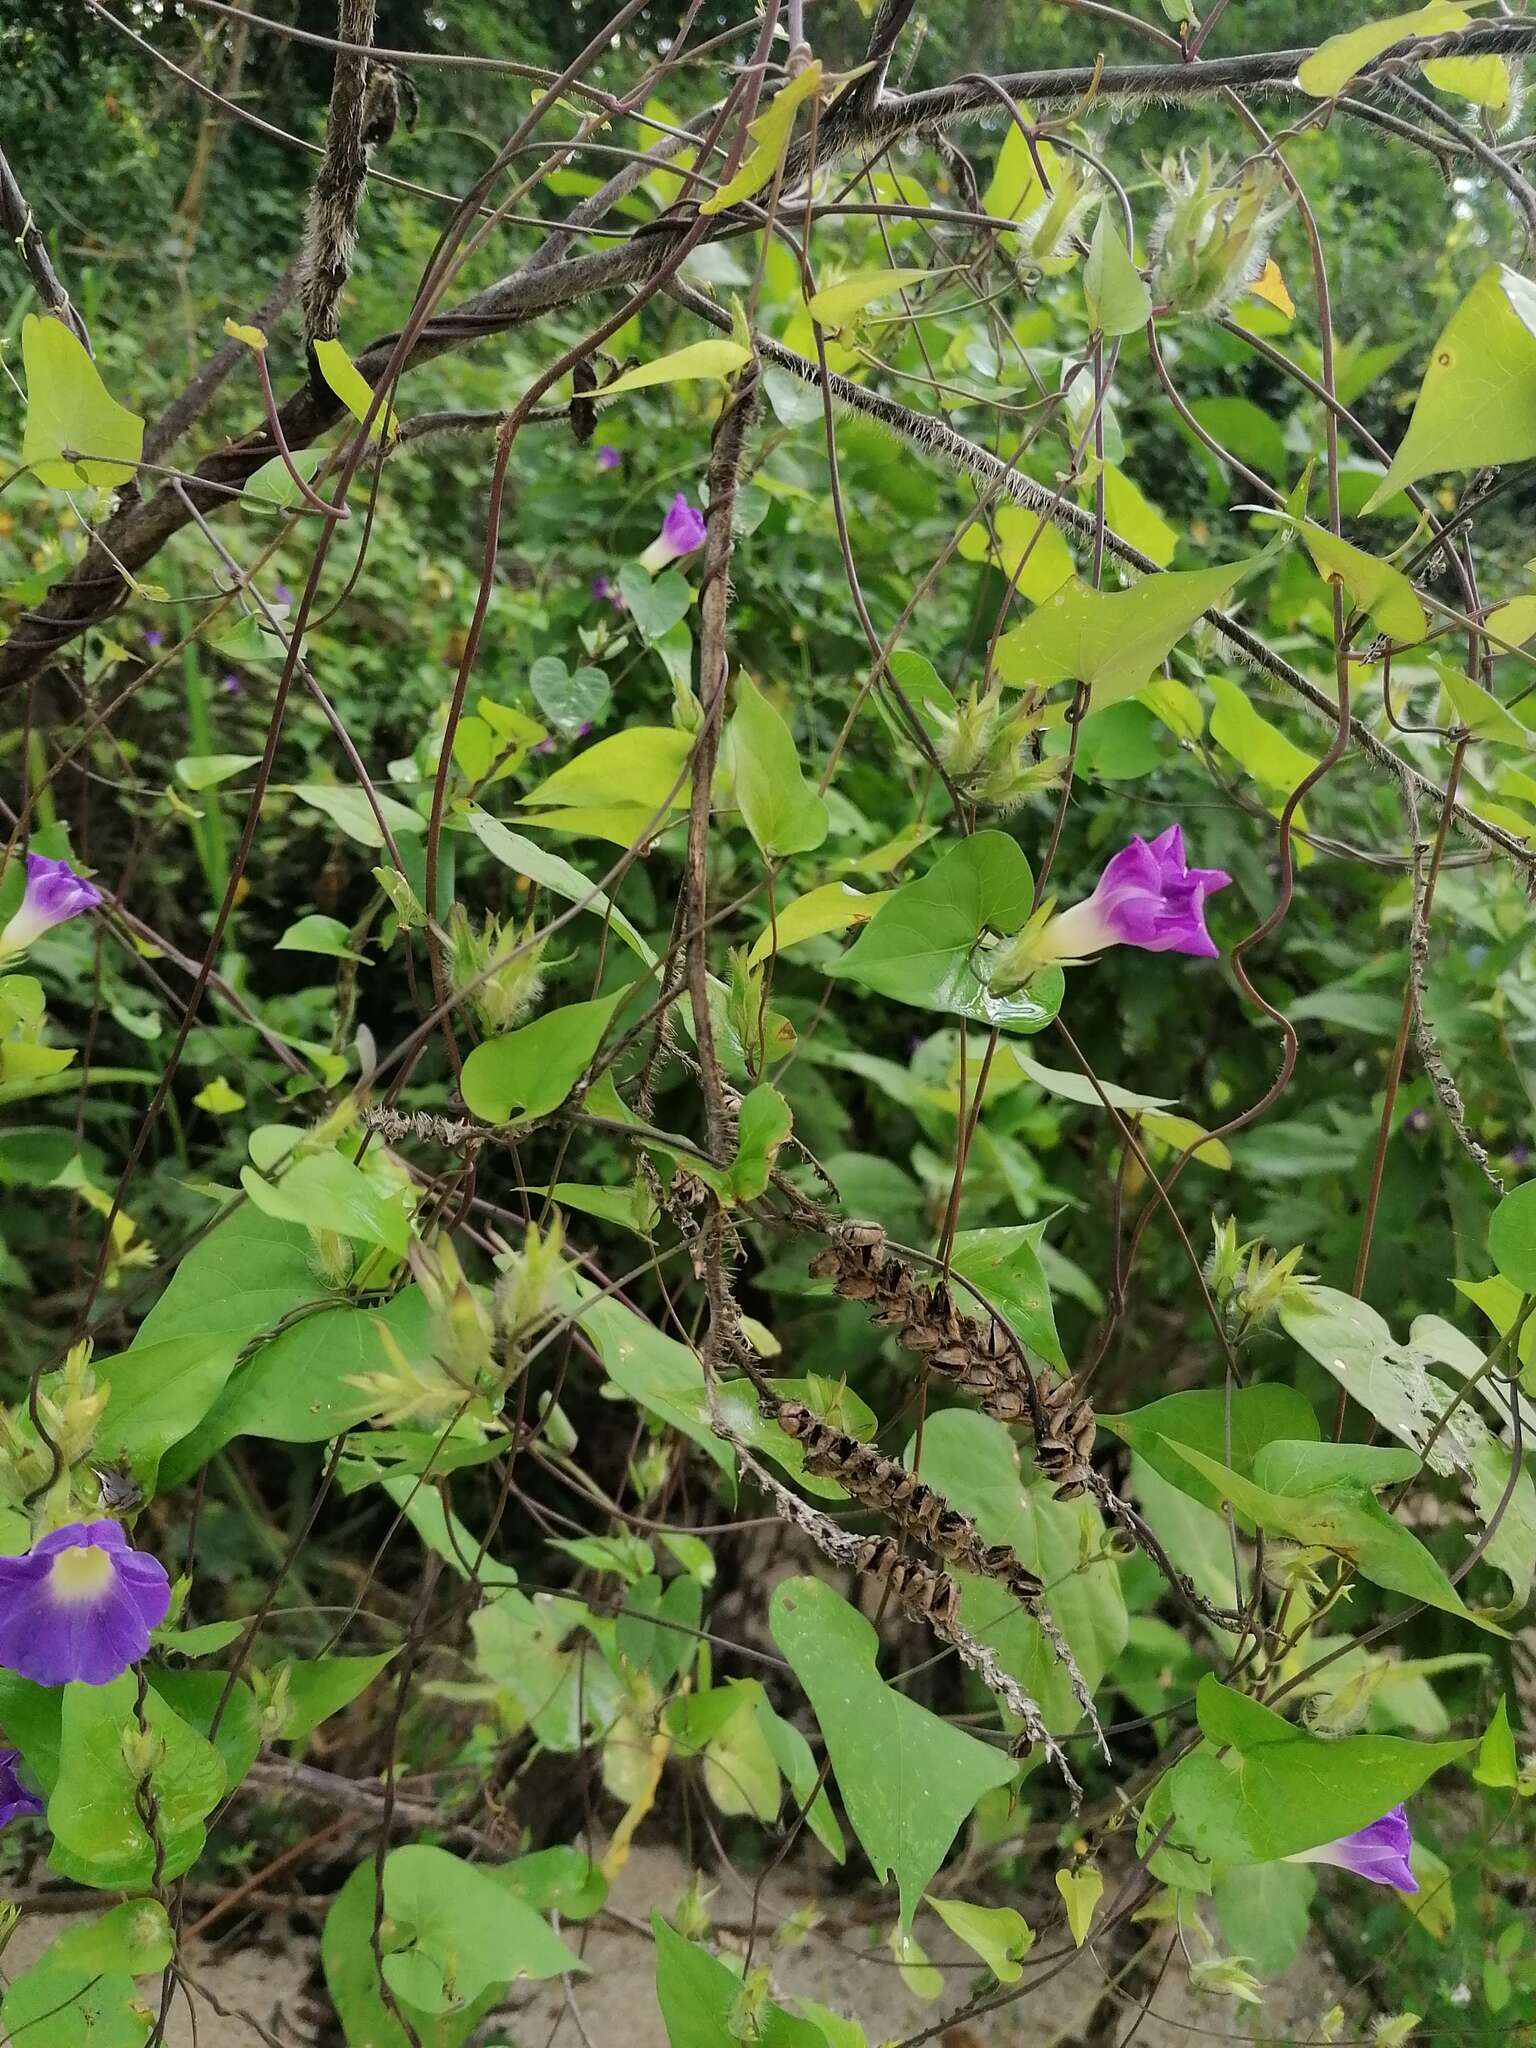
[681, 532]
[231, 685]
[1519, 1155]
[15, 1799]
[153, 637]
[1146, 897]
[79, 1605]
[608, 458]
[282, 593]
[1415, 1121]
[604, 587]
[1378, 1853]
[54, 893]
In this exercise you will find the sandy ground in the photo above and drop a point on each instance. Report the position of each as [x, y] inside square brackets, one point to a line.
[843, 1963]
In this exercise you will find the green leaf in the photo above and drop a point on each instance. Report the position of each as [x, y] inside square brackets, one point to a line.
[770, 134]
[324, 1191]
[99, 1836]
[529, 1072]
[1252, 434]
[204, 771]
[552, 873]
[454, 1932]
[1265, 1914]
[1276, 763]
[318, 934]
[569, 702]
[1081, 1890]
[70, 409]
[646, 765]
[1283, 1790]
[1512, 1237]
[351, 1975]
[1483, 80]
[908, 1780]
[831, 908]
[1135, 518]
[763, 1124]
[652, 1368]
[1374, 587]
[1481, 713]
[655, 604]
[697, 1995]
[1259, 1415]
[841, 303]
[922, 946]
[1330, 68]
[80, 1992]
[1111, 640]
[701, 359]
[1497, 1765]
[196, 1697]
[1015, 190]
[348, 808]
[972, 1461]
[783, 813]
[1152, 1111]
[353, 389]
[1118, 299]
[1477, 403]
[321, 1686]
[1342, 1517]
[1005, 1264]
[998, 1934]
[1030, 552]
[273, 483]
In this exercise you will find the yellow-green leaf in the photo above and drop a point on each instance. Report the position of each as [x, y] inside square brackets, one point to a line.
[1513, 623]
[70, 411]
[1276, 763]
[782, 811]
[1481, 713]
[1135, 518]
[251, 336]
[645, 765]
[842, 302]
[1081, 1891]
[1117, 295]
[998, 1934]
[353, 388]
[1329, 69]
[1477, 403]
[1028, 548]
[1016, 190]
[1270, 286]
[916, 1972]
[770, 132]
[831, 908]
[1483, 80]
[1375, 587]
[218, 1098]
[1497, 1766]
[1112, 640]
[701, 359]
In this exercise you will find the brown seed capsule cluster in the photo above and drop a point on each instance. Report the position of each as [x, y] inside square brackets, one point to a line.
[889, 1489]
[926, 1593]
[977, 1355]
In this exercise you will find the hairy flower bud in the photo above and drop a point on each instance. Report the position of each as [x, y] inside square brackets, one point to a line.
[1046, 234]
[499, 973]
[528, 1292]
[1212, 237]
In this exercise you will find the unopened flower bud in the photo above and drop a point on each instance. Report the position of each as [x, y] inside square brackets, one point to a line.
[142, 1751]
[499, 972]
[1212, 238]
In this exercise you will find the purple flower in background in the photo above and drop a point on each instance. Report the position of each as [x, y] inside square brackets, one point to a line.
[1519, 1155]
[681, 532]
[79, 1605]
[15, 1799]
[153, 636]
[1378, 1853]
[1146, 897]
[282, 593]
[605, 587]
[231, 685]
[608, 458]
[54, 893]
[1415, 1121]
